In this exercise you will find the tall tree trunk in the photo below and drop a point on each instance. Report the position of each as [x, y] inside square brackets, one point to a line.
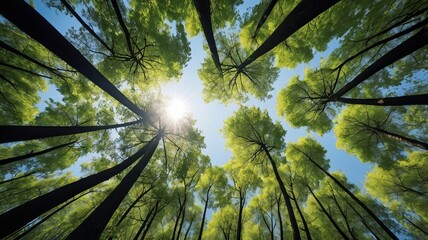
[302, 217]
[302, 14]
[45, 218]
[420, 99]
[180, 210]
[23, 133]
[378, 221]
[344, 217]
[381, 42]
[204, 13]
[407, 47]
[123, 26]
[188, 229]
[181, 222]
[415, 226]
[17, 178]
[143, 224]
[398, 137]
[93, 226]
[281, 227]
[86, 26]
[21, 215]
[34, 25]
[293, 221]
[34, 154]
[364, 222]
[204, 214]
[241, 208]
[146, 230]
[328, 215]
[265, 15]
[132, 205]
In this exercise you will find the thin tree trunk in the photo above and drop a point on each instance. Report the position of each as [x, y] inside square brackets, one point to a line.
[381, 224]
[407, 47]
[415, 226]
[302, 14]
[143, 224]
[302, 217]
[34, 154]
[421, 99]
[204, 13]
[23, 133]
[204, 214]
[86, 26]
[180, 210]
[123, 26]
[93, 226]
[398, 137]
[382, 42]
[328, 215]
[181, 222]
[364, 222]
[17, 178]
[146, 230]
[344, 217]
[24, 70]
[281, 228]
[293, 221]
[33, 24]
[188, 229]
[265, 15]
[132, 205]
[241, 207]
[45, 218]
[19, 216]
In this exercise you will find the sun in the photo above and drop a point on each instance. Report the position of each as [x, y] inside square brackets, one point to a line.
[176, 109]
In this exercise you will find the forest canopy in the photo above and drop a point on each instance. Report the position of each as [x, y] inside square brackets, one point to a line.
[93, 145]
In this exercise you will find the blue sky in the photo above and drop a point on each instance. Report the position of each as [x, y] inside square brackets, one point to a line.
[210, 116]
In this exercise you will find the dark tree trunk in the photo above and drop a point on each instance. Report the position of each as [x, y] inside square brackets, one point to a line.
[19, 216]
[132, 205]
[180, 210]
[24, 70]
[20, 236]
[17, 178]
[204, 12]
[86, 26]
[344, 217]
[398, 137]
[265, 15]
[281, 227]
[181, 222]
[364, 222]
[34, 154]
[293, 221]
[143, 224]
[421, 99]
[33, 24]
[204, 214]
[149, 224]
[415, 226]
[23, 133]
[328, 215]
[241, 208]
[123, 26]
[407, 47]
[382, 42]
[302, 217]
[378, 221]
[302, 14]
[93, 226]
[188, 229]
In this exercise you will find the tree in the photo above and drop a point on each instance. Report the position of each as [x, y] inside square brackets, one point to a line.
[373, 130]
[252, 136]
[403, 189]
